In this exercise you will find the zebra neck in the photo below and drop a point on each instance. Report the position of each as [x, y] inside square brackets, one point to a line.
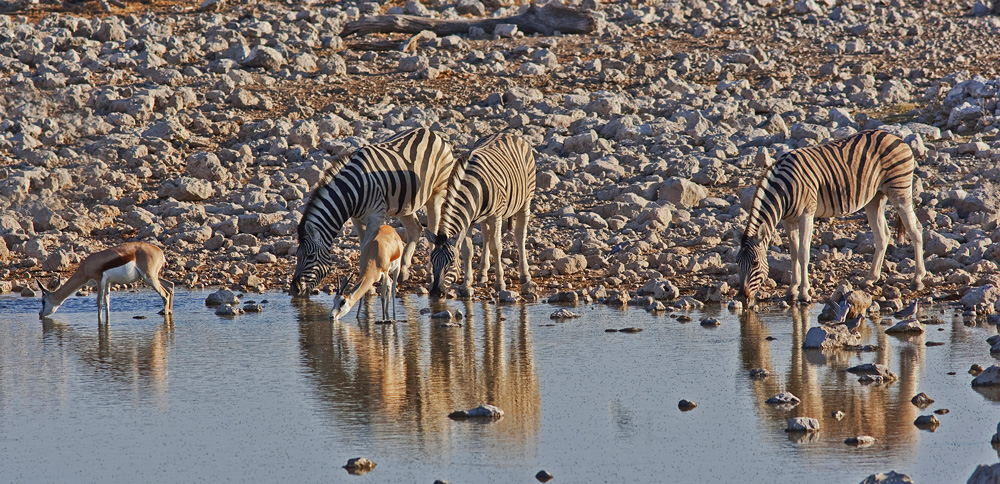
[766, 208]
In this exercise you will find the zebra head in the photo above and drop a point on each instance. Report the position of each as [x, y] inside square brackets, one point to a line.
[313, 261]
[752, 262]
[443, 257]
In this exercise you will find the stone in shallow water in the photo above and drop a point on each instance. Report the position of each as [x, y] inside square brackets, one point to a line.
[891, 477]
[860, 441]
[985, 474]
[928, 422]
[988, 378]
[359, 466]
[838, 415]
[543, 476]
[221, 297]
[486, 412]
[563, 314]
[922, 400]
[784, 398]
[828, 337]
[686, 405]
[873, 369]
[910, 326]
[802, 424]
[709, 321]
[759, 373]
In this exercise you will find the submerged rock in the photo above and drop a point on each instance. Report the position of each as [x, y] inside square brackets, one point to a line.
[759, 374]
[838, 415]
[988, 378]
[686, 405]
[486, 412]
[860, 441]
[975, 369]
[891, 477]
[710, 321]
[802, 424]
[922, 400]
[563, 314]
[359, 466]
[228, 310]
[873, 369]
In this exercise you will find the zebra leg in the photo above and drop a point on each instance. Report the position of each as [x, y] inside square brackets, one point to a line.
[484, 257]
[466, 254]
[904, 205]
[805, 246]
[875, 210]
[496, 248]
[794, 229]
[412, 235]
[521, 236]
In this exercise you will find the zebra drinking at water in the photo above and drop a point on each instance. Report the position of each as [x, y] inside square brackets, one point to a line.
[834, 178]
[493, 182]
[392, 178]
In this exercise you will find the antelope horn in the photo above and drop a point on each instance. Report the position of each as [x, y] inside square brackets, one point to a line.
[40, 285]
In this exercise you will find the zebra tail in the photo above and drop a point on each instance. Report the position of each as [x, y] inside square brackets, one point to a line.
[901, 236]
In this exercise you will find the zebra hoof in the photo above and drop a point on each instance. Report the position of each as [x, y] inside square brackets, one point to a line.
[482, 278]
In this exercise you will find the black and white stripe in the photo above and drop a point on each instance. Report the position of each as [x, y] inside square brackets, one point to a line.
[395, 177]
[831, 179]
[494, 182]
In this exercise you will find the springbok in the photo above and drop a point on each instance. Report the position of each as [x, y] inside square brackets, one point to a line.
[124, 264]
[381, 260]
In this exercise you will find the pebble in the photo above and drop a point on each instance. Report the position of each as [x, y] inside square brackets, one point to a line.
[630, 330]
[563, 314]
[891, 477]
[686, 405]
[784, 398]
[709, 321]
[839, 415]
[975, 369]
[759, 373]
[543, 476]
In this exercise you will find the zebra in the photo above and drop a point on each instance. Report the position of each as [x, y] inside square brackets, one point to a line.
[392, 178]
[493, 182]
[831, 179]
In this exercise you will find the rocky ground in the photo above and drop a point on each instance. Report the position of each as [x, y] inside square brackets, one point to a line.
[204, 128]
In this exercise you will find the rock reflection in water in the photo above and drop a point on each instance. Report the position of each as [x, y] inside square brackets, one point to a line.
[818, 377]
[400, 381]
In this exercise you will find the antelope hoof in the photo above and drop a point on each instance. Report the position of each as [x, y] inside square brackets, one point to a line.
[404, 275]
[918, 285]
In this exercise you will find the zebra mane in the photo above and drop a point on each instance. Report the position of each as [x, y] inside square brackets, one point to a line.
[339, 162]
[455, 183]
[760, 230]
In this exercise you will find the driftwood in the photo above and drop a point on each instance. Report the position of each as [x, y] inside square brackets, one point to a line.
[543, 20]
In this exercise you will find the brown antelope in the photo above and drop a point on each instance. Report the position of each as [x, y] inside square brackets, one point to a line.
[380, 261]
[124, 264]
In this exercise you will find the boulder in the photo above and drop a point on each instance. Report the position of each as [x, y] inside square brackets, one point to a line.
[265, 57]
[980, 297]
[186, 189]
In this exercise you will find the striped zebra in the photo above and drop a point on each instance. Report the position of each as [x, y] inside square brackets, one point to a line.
[392, 178]
[834, 178]
[493, 182]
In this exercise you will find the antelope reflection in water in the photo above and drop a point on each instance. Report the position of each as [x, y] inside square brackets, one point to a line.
[400, 381]
[818, 377]
[134, 359]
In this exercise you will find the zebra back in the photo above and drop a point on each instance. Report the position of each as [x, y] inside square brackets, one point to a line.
[496, 177]
[834, 178]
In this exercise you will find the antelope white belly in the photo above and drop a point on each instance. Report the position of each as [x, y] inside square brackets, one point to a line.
[124, 274]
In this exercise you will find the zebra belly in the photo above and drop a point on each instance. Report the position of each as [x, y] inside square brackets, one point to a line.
[124, 274]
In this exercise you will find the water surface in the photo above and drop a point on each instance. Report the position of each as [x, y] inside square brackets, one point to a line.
[287, 395]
